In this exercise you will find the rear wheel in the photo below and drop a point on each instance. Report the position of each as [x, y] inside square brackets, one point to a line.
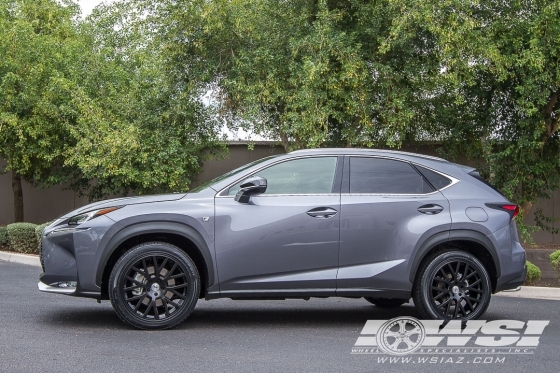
[386, 302]
[154, 286]
[452, 285]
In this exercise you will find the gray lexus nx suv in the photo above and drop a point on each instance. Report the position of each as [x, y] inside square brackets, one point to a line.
[384, 225]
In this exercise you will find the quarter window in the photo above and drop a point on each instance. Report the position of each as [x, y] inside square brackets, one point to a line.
[385, 176]
[298, 176]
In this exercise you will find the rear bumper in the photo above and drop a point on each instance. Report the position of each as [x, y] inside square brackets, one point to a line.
[514, 283]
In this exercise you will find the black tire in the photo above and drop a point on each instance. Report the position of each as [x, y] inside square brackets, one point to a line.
[386, 302]
[154, 285]
[452, 285]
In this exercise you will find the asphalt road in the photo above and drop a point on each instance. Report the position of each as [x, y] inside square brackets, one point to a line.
[53, 333]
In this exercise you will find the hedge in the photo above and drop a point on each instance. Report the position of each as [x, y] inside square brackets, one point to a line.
[22, 237]
[4, 240]
[533, 272]
[39, 232]
[555, 259]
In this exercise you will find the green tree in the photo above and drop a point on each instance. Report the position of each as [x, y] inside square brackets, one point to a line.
[500, 78]
[39, 50]
[137, 130]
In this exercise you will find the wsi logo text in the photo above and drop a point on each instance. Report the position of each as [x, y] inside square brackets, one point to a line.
[407, 335]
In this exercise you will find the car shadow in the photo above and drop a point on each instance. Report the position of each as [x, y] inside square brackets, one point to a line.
[237, 314]
[226, 313]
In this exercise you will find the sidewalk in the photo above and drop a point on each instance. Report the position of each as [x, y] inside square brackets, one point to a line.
[32, 260]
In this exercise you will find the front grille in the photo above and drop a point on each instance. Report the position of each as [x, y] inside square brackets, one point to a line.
[41, 256]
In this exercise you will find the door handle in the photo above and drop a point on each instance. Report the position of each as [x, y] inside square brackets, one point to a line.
[322, 212]
[430, 209]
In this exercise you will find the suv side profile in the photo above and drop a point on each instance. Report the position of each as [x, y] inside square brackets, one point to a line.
[384, 225]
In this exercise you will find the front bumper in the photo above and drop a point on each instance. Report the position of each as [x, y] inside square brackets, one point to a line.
[68, 257]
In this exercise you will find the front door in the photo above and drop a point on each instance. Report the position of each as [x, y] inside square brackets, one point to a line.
[286, 240]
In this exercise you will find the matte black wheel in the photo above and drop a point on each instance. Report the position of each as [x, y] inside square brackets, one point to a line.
[154, 286]
[386, 302]
[452, 285]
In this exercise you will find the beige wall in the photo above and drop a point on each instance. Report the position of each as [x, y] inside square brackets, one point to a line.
[42, 205]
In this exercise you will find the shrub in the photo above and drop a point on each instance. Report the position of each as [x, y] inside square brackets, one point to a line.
[4, 241]
[38, 232]
[555, 259]
[22, 237]
[533, 273]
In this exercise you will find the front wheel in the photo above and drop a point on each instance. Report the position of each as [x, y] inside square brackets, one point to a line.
[154, 286]
[452, 285]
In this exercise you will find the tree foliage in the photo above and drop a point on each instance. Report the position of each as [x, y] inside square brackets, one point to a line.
[138, 131]
[87, 102]
[480, 77]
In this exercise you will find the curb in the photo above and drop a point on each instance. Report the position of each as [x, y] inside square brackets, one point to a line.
[533, 292]
[32, 260]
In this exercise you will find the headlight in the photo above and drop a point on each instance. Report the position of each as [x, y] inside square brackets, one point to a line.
[82, 218]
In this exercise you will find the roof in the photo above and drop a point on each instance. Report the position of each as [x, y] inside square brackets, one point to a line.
[364, 151]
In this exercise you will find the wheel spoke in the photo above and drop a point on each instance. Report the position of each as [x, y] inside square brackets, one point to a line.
[448, 306]
[177, 286]
[132, 299]
[154, 258]
[440, 295]
[476, 282]
[162, 266]
[156, 312]
[453, 273]
[177, 293]
[169, 301]
[416, 330]
[138, 270]
[135, 282]
[167, 276]
[145, 314]
[462, 309]
[474, 289]
[145, 266]
[402, 326]
[469, 303]
[139, 302]
[442, 280]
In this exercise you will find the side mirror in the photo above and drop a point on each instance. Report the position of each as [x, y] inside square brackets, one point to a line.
[251, 186]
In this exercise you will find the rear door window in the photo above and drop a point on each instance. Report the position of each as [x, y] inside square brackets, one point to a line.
[385, 176]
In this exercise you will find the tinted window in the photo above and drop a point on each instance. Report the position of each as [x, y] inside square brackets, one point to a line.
[378, 175]
[300, 176]
[437, 180]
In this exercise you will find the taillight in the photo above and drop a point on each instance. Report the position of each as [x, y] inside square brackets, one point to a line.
[512, 210]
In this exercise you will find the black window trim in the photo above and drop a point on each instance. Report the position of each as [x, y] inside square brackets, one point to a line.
[223, 193]
[346, 177]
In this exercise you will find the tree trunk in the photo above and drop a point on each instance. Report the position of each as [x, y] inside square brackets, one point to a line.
[526, 207]
[18, 197]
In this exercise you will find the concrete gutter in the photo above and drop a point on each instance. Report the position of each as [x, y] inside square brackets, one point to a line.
[32, 260]
[533, 292]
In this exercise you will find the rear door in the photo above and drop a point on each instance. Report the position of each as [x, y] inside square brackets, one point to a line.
[387, 207]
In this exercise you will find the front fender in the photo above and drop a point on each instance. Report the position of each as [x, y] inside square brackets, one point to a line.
[155, 223]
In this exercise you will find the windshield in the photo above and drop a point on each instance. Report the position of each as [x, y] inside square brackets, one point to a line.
[228, 174]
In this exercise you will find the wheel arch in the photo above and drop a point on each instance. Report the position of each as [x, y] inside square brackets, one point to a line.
[470, 241]
[185, 237]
